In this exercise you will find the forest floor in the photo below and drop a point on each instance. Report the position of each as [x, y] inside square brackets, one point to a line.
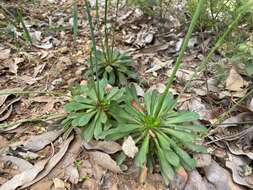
[35, 82]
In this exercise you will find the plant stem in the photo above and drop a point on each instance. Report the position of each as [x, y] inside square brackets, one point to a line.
[94, 48]
[97, 14]
[221, 118]
[113, 33]
[106, 30]
[181, 54]
[75, 22]
[219, 42]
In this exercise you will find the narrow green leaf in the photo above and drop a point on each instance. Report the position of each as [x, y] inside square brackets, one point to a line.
[84, 100]
[75, 106]
[85, 118]
[182, 136]
[26, 32]
[183, 117]
[166, 169]
[194, 128]
[196, 148]
[121, 131]
[141, 156]
[148, 101]
[189, 162]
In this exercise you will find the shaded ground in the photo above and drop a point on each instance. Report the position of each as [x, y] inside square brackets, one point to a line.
[45, 71]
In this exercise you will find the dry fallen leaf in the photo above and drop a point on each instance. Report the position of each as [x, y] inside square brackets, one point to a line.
[129, 147]
[24, 177]
[20, 163]
[4, 54]
[237, 165]
[36, 143]
[234, 81]
[108, 147]
[105, 161]
[72, 174]
[58, 183]
[54, 160]
[220, 177]
[195, 182]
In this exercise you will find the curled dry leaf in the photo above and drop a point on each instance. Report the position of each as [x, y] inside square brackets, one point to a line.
[39, 142]
[69, 158]
[129, 147]
[234, 81]
[242, 172]
[105, 161]
[233, 148]
[220, 177]
[24, 177]
[108, 147]
[196, 182]
[180, 179]
[54, 160]
[202, 160]
[6, 110]
[5, 93]
[4, 54]
[72, 174]
[20, 163]
[58, 183]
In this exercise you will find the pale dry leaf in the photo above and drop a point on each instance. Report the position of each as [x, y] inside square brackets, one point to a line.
[251, 105]
[50, 100]
[234, 81]
[236, 164]
[4, 54]
[129, 147]
[195, 182]
[36, 143]
[29, 80]
[105, 161]
[47, 45]
[72, 174]
[38, 69]
[220, 177]
[202, 160]
[6, 93]
[58, 183]
[20, 163]
[54, 160]
[139, 90]
[24, 177]
[109, 147]
[158, 64]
